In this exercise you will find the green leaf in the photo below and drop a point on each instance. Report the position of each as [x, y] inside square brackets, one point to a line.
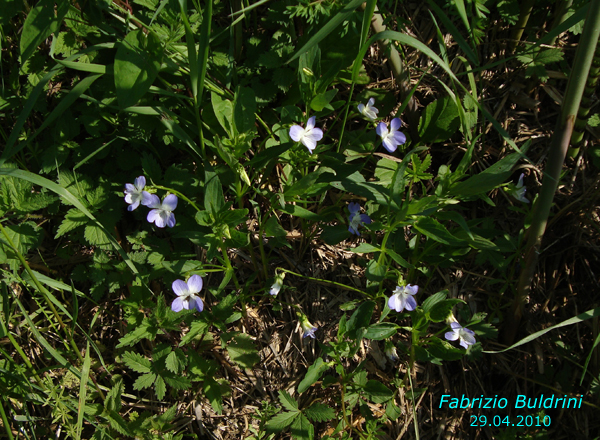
[365, 248]
[376, 271]
[213, 197]
[488, 179]
[144, 381]
[196, 329]
[160, 388]
[287, 401]
[281, 421]
[40, 23]
[378, 392]
[318, 412]
[176, 361]
[433, 229]
[439, 121]
[333, 235]
[137, 362]
[242, 351]
[113, 397]
[360, 318]
[118, 423]
[302, 429]
[313, 374]
[97, 236]
[213, 392]
[322, 100]
[244, 107]
[223, 109]
[178, 382]
[381, 331]
[137, 63]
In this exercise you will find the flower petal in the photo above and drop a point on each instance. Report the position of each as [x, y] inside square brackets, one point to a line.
[194, 284]
[411, 289]
[381, 129]
[365, 219]
[395, 303]
[468, 338]
[153, 215]
[400, 138]
[140, 183]
[311, 123]
[389, 145]
[296, 133]
[395, 124]
[361, 108]
[196, 303]
[129, 188]
[180, 288]
[146, 198]
[177, 304]
[170, 202]
[411, 303]
[455, 326]
[451, 336]
[161, 219]
[153, 201]
[171, 220]
[353, 207]
[133, 205]
[370, 102]
[309, 143]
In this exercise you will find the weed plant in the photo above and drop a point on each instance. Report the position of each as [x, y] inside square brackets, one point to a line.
[294, 220]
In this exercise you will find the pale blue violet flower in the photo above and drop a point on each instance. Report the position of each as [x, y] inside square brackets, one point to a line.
[466, 336]
[162, 213]
[392, 138]
[309, 136]
[402, 298]
[391, 352]
[307, 328]
[519, 191]
[355, 220]
[368, 111]
[186, 294]
[135, 194]
[276, 287]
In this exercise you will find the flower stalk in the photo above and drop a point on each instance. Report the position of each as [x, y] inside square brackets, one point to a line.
[556, 157]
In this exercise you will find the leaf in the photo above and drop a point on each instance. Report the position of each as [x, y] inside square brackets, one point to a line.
[313, 374]
[40, 23]
[318, 412]
[381, 331]
[365, 248]
[440, 311]
[288, 401]
[97, 236]
[213, 197]
[302, 429]
[117, 422]
[113, 397]
[137, 63]
[242, 351]
[439, 121]
[244, 107]
[376, 271]
[178, 382]
[197, 328]
[144, 381]
[137, 362]
[212, 391]
[435, 230]
[281, 421]
[378, 392]
[176, 361]
[223, 109]
[322, 100]
[360, 318]
[160, 388]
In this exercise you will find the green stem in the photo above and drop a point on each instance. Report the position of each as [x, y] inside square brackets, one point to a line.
[320, 281]
[517, 32]
[556, 157]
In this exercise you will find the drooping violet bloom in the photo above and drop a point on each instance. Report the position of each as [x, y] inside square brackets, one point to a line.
[391, 352]
[276, 287]
[519, 191]
[307, 328]
[186, 294]
[355, 219]
[162, 213]
[392, 138]
[368, 111]
[466, 336]
[309, 136]
[402, 298]
[135, 194]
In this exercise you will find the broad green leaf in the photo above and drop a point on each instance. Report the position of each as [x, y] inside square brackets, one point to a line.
[333, 235]
[244, 107]
[302, 429]
[435, 230]
[360, 318]
[196, 329]
[44, 19]
[439, 121]
[176, 361]
[381, 331]
[213, 392]
[375, 271]
[160, 388]
[313, 374]
[113, 397]
[144, 381]
[318, 412]
[322, 100]
[223, 109]
[137, 63]
[287, 401]
[213, 197]
[365, 248]
[177, 382]
[242, 351]
[433, 300]
[137, 362]
[281, 421]
[440, 311]
[377, 392]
